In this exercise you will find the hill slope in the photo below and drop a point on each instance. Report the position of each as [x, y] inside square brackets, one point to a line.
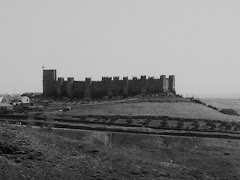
[224, 103]
[180, 109]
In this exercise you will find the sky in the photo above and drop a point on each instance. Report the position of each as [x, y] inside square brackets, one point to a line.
[197, 41]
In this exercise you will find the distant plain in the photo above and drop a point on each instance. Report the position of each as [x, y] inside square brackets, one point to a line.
[223, 103]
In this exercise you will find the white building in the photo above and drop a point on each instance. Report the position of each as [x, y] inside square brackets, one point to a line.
[6, 99]
[22, 99]
[5, 107]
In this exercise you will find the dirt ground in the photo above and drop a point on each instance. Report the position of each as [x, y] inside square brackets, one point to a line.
[30, 153]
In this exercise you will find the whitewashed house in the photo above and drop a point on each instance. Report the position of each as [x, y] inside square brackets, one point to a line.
[6, 99]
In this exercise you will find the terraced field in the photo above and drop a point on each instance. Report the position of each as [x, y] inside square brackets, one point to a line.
[179, 109]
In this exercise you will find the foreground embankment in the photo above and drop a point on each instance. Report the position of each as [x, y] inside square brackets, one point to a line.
[30, 153]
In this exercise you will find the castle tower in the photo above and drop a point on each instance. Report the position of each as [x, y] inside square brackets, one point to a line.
[69, 86]
[115, 86]
[109, 87]
[59, 85]
[125, 86]
[172, 84]
[143, 85]
[49, 78]
[164, 83]
[87, 92]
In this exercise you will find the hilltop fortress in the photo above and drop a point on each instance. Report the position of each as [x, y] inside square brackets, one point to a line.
[108, 86]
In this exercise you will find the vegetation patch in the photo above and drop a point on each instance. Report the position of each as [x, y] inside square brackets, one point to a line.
[211, 124]
[180, 125]
[229, 112]
[196, 125]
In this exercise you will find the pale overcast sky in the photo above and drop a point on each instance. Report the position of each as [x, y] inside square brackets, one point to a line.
[197, 40]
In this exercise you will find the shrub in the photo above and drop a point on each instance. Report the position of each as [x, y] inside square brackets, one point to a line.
[212, 107]
[229, 112]
[212, 125]
[198, 101]
[196, 125]
[224, 124]
[105, 117]
[129, 121]
[237, 126]
[98, 117]
[180, 124]
[125, 117]
[147, 122]
[220, 130]
[84, 118]
[228, 126]
[116, 117]
[113, 119]
[164, 124]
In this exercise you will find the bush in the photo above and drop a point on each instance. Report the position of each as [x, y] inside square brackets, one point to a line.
[212, 107]
[147, 122]
[211, 124]
[228, 126]
[196, 125]
[237, 126]
[113, 119]
[117, 117]
[229, 112]
[129, 121]
[98, 117]
[104, 117]
[84, 118]
[164, 124]
[224, 124]
[198, 101]
[180, 124]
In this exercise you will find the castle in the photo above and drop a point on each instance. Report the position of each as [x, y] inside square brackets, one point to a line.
[106, 87]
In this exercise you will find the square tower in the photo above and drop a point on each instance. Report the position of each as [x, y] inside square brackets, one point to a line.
[49, 78]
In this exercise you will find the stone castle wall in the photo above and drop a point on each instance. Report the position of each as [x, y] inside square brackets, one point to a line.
[108, 86]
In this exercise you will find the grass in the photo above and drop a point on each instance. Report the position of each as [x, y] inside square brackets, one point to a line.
[181, 110]
[224, 103]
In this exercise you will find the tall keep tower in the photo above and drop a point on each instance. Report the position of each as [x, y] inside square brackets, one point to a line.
[49, 78]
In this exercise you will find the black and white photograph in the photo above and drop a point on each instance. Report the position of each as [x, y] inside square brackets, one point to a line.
[120, 90]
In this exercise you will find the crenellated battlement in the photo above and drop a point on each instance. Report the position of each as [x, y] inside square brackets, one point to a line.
[88, 79]
[108, 86]
[115, 78]
[150, 77]
[106, 79]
